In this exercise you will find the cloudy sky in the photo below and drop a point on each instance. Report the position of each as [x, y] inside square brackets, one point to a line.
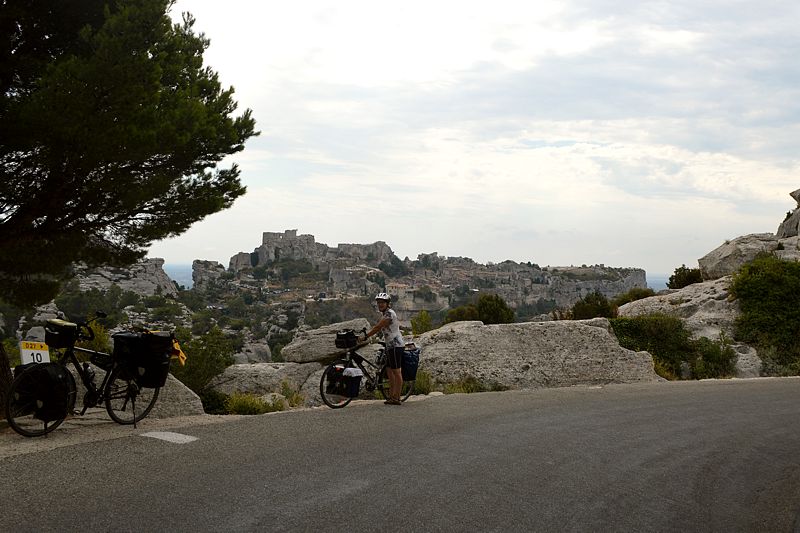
[629, 133]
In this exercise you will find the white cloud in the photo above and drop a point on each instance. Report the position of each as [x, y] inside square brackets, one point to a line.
[631, 134]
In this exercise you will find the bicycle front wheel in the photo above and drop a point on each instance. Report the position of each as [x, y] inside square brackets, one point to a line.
[332, 385]
[126, 402]
[35, 406]
[383, 387]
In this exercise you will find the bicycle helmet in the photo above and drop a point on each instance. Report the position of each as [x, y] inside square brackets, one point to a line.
[383, 296]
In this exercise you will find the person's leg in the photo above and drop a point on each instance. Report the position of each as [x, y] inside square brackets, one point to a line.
[395, 383]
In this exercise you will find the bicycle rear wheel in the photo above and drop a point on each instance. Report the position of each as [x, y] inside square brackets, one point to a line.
[126, 402]
[35, 407]
[332, 387]
[383, 387]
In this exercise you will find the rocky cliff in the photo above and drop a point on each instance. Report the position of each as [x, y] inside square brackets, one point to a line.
[146, 278]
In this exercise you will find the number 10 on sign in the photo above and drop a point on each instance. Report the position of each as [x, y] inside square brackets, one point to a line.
[33, 352]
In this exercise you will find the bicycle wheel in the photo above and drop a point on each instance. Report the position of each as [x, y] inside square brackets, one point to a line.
[39, 399]
[332, 386]
[383, 387]
[126, 402]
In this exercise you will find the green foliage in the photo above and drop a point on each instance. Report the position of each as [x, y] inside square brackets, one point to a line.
[469, 384]
[421, 323]
[79, 305]
[489, 309]
[492, 309]
[213, 401]
[101, 341]
[260, 272]
[112, 129]
[207, 356]
[462, 313]
[667, 340]
[394, 268]
[683, 277]
[11, 347]
[636, 293]
[713, 359]
[424, 383]
[292, 395]
[768, 291]
[593, 305]
[240, 403]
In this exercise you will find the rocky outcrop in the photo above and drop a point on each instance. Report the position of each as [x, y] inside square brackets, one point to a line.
[730, 256]
[264, 378]
[791, 226]
[318, 344]
[205, 273]
[532, 354]
[707, 310]
[146, 278]
[254, 352]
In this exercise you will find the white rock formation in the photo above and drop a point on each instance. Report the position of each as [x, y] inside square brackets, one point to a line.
[318, 344]
[263, 378]
[533, 354]
[147, 277]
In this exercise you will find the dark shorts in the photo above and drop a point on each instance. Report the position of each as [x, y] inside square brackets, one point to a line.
[394, 357]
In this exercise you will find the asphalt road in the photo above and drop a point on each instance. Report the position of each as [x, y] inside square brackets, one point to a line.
[690, 456]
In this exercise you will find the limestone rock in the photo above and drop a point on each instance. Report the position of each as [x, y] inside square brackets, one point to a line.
[205, 272]
[263, 378]
[727, 258]
[146, 278]
[254, 352]
[318, 344]
[532, 354]
[789, 227]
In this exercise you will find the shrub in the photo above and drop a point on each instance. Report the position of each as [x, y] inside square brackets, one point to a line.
[768, 291]
[207, 356]
[667, 340]
[713, 359]
[421, 323]
[248, 404]
[636, 293]
[683, 277]
[593, 305]
[424, 383]
[469, 384]
[464, 312]
[664, 336]
[213, 402]
[293, 396]
[492, 309]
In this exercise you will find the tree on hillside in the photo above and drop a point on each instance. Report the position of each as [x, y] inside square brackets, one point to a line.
[683, 277]
[111, 131]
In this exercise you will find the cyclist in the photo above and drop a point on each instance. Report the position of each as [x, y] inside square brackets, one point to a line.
[389, 325]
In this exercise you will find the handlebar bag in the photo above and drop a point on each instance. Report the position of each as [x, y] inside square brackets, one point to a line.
[60, 333]
[346, 339]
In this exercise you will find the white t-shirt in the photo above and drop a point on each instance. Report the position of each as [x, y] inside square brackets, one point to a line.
[391, 333]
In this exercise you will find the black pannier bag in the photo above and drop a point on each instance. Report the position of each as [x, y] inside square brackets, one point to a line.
[346, 339]
[409, 364]
[60, 333]
[145, 356]
[50, 393]
[336, 382]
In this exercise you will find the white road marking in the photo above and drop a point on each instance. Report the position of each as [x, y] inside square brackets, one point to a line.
[169, 436]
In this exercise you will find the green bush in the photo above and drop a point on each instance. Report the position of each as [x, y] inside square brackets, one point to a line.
[213, 402]
[207, 356]
[668, 341]
[249, 404]
[768, 291]
[489, 309]
[636, 293]
[470, 384]
[713, 359]
[421, 323]
[424, 383]
[664, 336]
[593, 305]
[683, 277]
[293, 396]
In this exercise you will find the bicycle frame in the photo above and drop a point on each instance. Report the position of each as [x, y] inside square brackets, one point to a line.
[371, 374]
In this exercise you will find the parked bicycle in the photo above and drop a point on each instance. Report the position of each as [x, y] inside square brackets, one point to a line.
[42, 395]
[343, 379]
